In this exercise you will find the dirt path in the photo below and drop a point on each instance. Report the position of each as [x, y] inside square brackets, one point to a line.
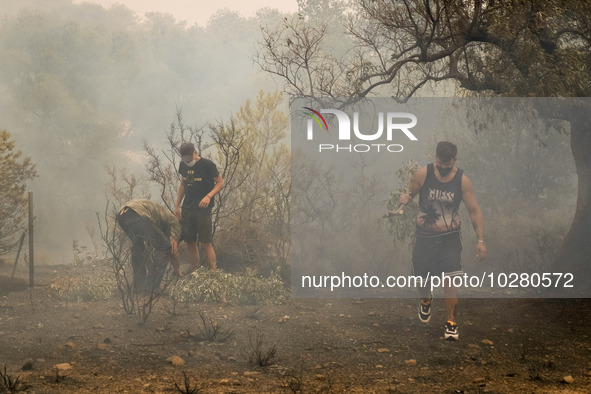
[321, 345]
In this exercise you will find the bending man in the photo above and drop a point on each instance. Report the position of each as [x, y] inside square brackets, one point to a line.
[144, 221]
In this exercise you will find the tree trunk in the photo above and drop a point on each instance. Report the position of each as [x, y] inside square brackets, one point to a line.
[575, 253]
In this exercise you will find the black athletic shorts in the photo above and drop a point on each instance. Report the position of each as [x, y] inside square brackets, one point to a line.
[436, 255]
[196, 222]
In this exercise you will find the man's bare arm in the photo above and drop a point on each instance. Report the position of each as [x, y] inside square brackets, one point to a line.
[179, 198]
[475, 215]
[414, 187]
[219, 184]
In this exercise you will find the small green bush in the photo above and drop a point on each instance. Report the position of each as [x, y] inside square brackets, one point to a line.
[219, 286]
[90, 283]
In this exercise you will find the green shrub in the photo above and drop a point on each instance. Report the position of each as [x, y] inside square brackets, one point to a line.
[90, 283]
[219, 286]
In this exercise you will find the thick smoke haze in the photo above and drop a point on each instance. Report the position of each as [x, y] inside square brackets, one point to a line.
[84, 86]
[198, 12]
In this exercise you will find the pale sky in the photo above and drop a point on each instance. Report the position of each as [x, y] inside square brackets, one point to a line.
[198, 11]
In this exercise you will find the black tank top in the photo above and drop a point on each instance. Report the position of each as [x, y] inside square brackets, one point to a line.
[439, 205]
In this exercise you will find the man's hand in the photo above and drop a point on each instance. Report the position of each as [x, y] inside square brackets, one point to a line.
[404, 198]
[389, 214]
[481, 250]
[204, 203]
[177, 212]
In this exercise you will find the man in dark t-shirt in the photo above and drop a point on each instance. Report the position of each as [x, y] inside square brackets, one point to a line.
[200, 182]
[441, 187]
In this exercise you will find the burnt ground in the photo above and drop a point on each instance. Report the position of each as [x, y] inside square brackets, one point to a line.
[321, 345]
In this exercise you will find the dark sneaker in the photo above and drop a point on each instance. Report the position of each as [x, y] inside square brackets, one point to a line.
[451, 331]
[425, 311]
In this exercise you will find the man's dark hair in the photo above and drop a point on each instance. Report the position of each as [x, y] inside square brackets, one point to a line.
[446, 151]
[187, 148]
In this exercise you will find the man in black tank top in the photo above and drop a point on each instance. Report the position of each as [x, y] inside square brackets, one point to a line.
[441, 187]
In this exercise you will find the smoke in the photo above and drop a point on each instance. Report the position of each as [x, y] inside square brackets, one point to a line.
[83, 87]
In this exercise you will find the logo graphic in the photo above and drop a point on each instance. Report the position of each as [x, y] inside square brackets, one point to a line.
[315, 115]
[390, 126]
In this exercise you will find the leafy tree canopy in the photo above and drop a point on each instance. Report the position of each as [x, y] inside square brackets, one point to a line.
[15, 172]
[404, 48]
